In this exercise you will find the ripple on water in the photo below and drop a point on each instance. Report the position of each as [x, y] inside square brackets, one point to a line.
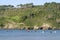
[31, 35]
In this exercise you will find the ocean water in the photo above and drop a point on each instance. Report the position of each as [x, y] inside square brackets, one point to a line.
[29, 35]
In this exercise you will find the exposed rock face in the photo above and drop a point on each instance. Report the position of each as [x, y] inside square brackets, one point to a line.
[13, 25]
[10, 25]
[36, 27]
[46, 26]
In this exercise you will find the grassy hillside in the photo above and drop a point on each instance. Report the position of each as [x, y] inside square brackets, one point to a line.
[37, 15]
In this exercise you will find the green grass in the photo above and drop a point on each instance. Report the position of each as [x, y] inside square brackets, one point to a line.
[37, 15]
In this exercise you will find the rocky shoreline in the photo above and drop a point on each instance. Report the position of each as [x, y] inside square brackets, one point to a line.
[22, 26]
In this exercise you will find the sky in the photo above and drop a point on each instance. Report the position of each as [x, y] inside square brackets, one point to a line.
[17, 2]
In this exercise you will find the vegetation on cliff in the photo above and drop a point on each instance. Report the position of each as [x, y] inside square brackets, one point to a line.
[29, 15]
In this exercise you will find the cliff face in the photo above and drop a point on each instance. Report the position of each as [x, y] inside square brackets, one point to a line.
[27, 18]
[10, 25]
[13, 25]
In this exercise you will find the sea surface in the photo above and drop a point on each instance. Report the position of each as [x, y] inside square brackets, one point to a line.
[29, 35]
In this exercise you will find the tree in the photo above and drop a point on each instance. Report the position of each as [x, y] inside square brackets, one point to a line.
[10, 6]
[46, 4]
